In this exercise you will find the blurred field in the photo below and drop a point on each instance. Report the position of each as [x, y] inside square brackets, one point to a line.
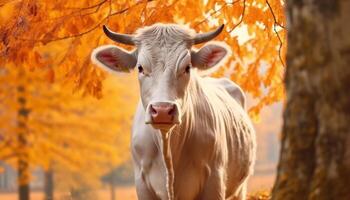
[260, 183]
[124, 193]
[256, 184]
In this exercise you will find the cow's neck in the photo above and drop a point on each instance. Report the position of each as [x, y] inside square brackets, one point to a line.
[191, 106]
[173, 141]
[167, 157]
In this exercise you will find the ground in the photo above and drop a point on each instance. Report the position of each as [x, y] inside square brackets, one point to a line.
[259, 187]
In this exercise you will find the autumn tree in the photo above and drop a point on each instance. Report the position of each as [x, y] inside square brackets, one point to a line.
[315, 155]
[22, 143]
[254, 29]
[55, 126]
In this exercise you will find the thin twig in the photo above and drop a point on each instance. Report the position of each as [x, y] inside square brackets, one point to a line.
[69, 50]
[275, 30]
[241, 20]
[89, 7]
[214, 12]
[109, 11]
[274, 16]
[85, 32]
[121, 11]
[76, 13]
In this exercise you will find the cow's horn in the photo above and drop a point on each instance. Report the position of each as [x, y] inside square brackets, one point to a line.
[205, 37]
[119, 37]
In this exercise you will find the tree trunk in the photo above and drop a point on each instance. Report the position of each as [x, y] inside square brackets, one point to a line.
[23, 155]
[49, 184]
[315, 154]
[23, 176]
[112, 186]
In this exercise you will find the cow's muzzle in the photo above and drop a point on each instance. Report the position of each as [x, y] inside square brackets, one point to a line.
[162, 114]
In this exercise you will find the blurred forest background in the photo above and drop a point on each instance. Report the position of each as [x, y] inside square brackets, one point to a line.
[65, 125]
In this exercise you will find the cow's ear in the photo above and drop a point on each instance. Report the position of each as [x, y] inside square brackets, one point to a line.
[114, 59]
[210, 55]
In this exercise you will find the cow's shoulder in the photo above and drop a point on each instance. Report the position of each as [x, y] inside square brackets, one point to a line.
[232, 88]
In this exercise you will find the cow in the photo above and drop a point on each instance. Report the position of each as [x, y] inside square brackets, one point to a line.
[191, 137]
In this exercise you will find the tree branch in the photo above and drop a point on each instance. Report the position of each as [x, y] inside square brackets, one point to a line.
[206, 18]
[241, 20]
[214, 12]
[89, 7]
[275, 30]
[76, 13]
[274, 16]
[85, 32]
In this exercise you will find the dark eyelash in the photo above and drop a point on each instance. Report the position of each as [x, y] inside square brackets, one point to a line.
[188, 69]
[140, 68]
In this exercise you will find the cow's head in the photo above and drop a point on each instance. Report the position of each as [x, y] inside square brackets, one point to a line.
[164, 60]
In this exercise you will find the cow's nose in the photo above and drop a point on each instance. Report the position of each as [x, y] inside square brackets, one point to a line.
[162, 112]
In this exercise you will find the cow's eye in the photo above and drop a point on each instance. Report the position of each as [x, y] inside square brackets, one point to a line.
[188, 69]
[140, 68]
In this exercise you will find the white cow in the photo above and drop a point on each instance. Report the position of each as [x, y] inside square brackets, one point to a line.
[191, 137]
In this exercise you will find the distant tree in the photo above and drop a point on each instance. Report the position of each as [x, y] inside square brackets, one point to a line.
[22, 142]
[121, 175]
[49, 184]
[45, 123]
[315, 153]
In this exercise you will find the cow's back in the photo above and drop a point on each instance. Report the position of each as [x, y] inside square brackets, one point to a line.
[232, 88]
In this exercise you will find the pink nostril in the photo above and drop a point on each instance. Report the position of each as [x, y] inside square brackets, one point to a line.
[153, 111]
[162, 112]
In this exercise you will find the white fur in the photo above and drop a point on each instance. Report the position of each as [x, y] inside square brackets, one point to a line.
[212, 149]
[213, 146]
